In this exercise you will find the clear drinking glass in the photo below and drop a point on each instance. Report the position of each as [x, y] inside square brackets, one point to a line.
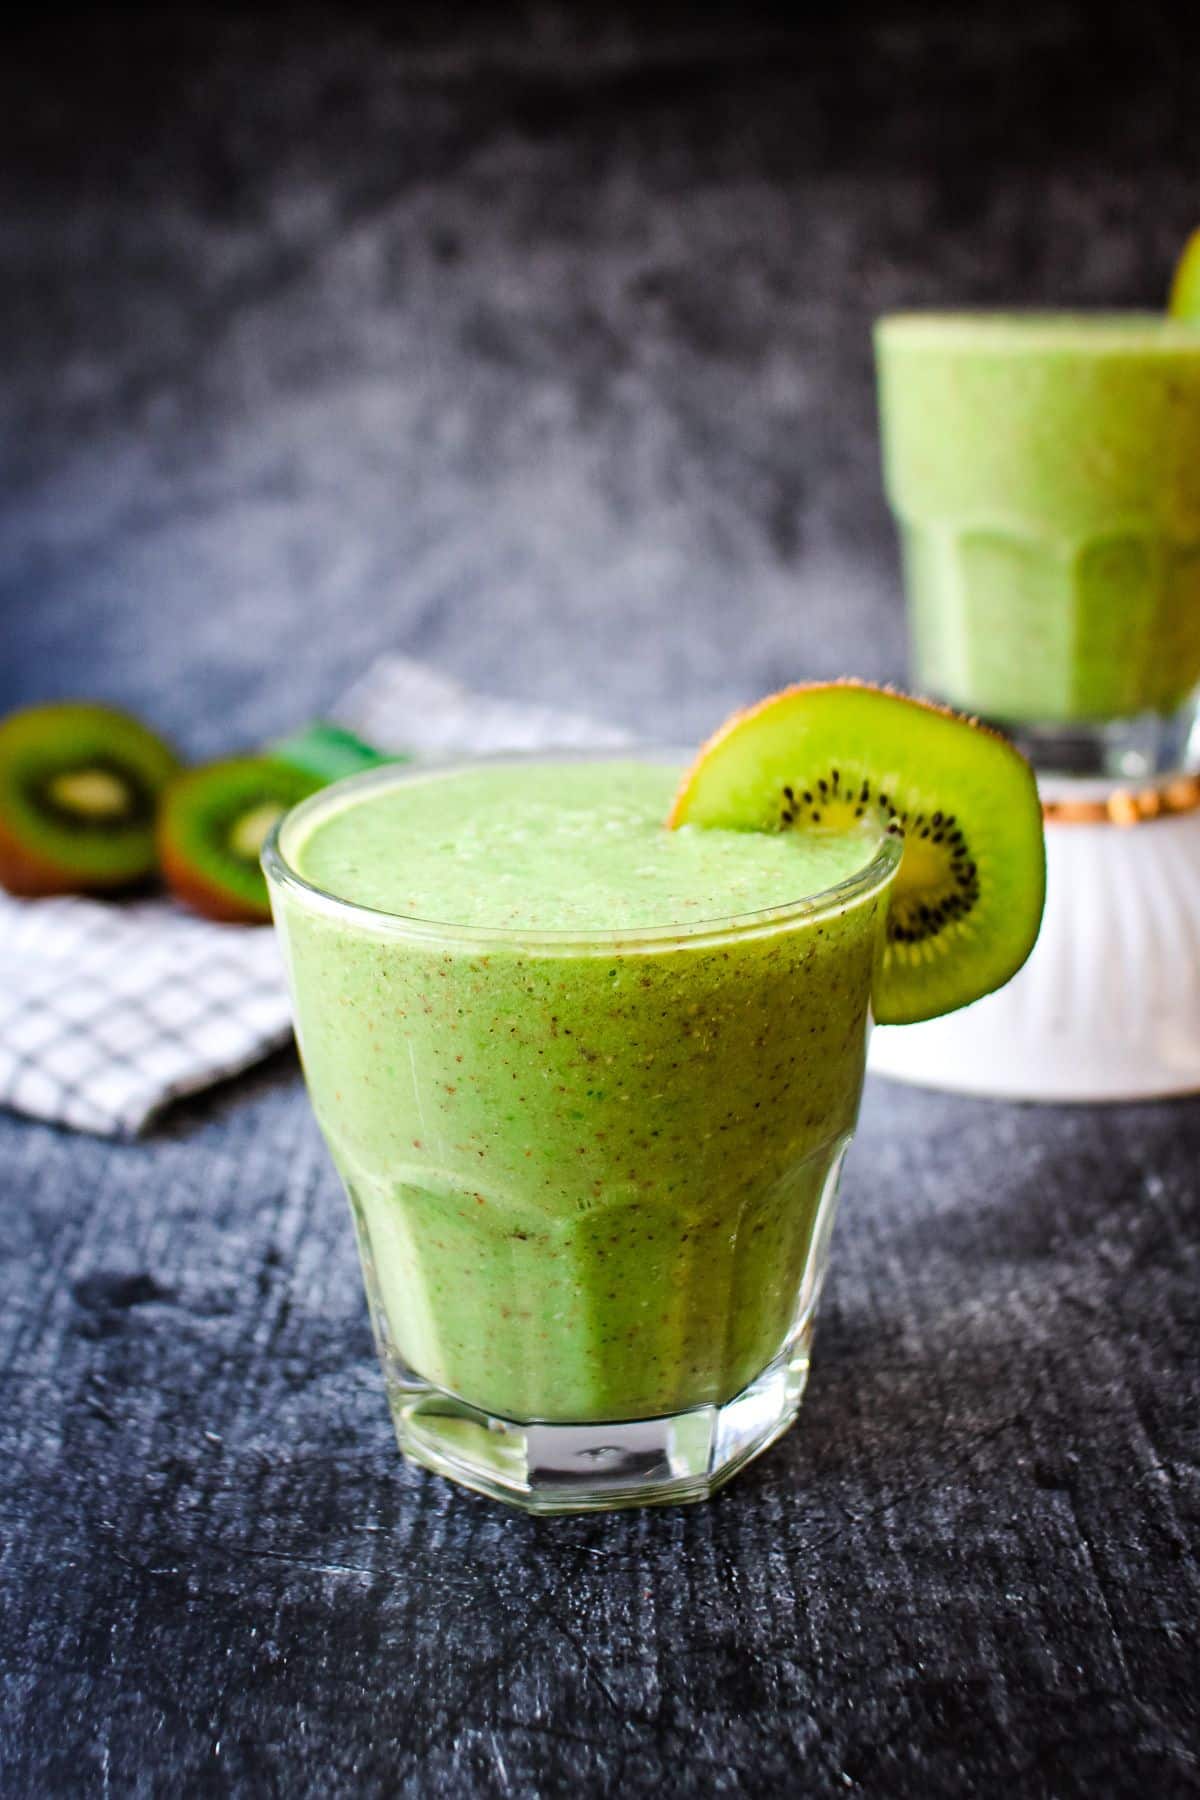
[592, 1176]
[1044, 470]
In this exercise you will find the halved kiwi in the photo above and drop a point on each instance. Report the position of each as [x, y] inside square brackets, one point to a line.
[79, 791]
[213, 824]
[967, 900]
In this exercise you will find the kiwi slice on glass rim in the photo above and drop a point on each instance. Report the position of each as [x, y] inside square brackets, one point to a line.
[967, 899]
[1184, 301]
[79, 791]
[212, 826]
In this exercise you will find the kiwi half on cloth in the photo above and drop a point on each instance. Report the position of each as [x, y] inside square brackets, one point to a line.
[79, 792]
[213, 824]
[967, 900]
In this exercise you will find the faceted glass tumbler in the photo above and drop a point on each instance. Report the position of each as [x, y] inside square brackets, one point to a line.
[1044, 470]
[592, 1176]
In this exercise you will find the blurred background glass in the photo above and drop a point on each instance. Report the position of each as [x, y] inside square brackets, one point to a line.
[532, 341]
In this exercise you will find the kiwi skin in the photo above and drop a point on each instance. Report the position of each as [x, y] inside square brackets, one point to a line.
[31, 876]
[216, 795]
[202, 896]
[78, 738]
[735, 721]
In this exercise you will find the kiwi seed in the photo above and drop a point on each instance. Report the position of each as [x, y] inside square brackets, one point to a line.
[966, 900]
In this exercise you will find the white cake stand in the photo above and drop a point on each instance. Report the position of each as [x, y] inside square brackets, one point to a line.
[1108, 1005]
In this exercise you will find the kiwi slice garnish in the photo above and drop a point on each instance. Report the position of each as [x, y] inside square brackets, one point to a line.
[967, 899]
[79, 790]
[213, 824]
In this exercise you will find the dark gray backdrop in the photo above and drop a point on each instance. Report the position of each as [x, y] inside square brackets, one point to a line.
[536, 339]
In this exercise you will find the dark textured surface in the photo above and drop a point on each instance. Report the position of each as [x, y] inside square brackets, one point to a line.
[540, 349]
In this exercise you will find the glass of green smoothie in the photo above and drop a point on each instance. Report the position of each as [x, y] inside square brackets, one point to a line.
[589, 1080]
[1044, 470]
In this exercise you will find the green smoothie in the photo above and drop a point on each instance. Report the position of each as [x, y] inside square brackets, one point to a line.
[588, 1082]
[1045, 473]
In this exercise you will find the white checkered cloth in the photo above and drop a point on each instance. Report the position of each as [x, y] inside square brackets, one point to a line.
[109, 1010]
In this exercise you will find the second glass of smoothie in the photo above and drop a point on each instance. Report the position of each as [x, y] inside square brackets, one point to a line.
[1045, 473]
[589, 1085]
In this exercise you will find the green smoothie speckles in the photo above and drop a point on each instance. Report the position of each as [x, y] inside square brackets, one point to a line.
[587, 1176]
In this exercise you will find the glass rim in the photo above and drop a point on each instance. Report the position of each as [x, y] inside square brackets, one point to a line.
[876, 872]
[1099, 329]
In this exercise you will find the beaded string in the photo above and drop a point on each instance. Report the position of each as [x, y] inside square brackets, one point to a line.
[1128, 806]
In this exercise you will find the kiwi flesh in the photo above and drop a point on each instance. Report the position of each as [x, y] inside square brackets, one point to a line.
[213, 824]
[1184, 301]
[80, 785]
[967, 900]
